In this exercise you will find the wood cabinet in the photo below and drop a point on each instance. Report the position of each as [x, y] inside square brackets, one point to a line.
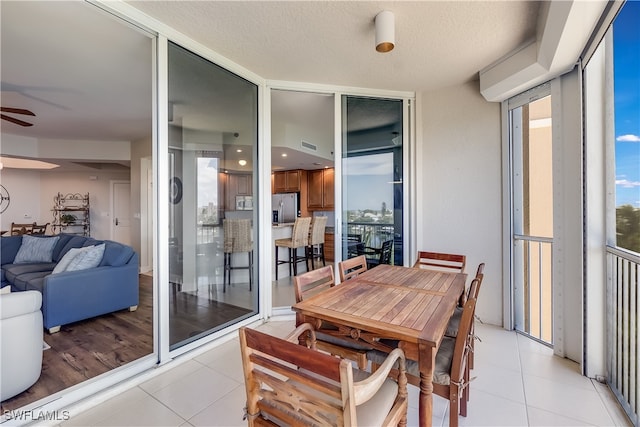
[321, 189]
[236, 185]
[286, 181]
[329, 246]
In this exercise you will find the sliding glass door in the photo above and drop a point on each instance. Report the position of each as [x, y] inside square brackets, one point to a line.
[372, 177]
[212, 162]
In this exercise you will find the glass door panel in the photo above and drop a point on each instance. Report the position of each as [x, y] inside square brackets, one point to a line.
[372, 170]
[212, 160]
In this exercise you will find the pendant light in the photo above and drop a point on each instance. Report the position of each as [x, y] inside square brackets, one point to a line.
[385, 31]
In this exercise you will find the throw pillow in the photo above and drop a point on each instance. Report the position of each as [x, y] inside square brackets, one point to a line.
[66, 260]
[89, 258]
[35, 249]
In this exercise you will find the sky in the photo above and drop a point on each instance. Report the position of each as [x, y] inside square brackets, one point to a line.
[368, 181]
[626, 48]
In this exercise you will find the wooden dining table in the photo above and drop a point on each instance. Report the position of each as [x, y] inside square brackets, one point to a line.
[407, 304]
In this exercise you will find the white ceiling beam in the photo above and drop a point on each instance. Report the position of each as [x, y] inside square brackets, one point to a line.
[564, 30]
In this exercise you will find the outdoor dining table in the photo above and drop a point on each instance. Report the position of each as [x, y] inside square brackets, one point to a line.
[407, 304]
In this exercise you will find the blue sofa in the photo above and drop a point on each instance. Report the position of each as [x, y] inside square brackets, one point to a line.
[70, 296]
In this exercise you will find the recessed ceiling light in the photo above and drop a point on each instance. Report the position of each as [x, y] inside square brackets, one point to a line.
[239, 150]
[284, 154]
[242, 162]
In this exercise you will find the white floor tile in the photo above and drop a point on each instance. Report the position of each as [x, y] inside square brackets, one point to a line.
[565, 399]
[195, 392]
[172, 375]
[105, 410]
[498, 381]
[486, 409]
[145, 412]
[225, 359]
[554, 368]
[227, 411]
[540, 417]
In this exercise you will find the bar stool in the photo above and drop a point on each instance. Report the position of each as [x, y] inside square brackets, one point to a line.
[299, 239]
[316, 238]
[237, 239]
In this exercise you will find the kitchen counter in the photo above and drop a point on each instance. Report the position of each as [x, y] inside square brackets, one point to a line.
[284, 224]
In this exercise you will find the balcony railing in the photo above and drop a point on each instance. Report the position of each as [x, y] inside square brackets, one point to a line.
[533, 287]
[623, 343]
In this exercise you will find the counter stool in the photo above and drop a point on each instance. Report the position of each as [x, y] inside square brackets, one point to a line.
[299, 239]
[316, 238]
[237, 239]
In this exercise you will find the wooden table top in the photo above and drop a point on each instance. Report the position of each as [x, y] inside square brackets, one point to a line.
[403, 303]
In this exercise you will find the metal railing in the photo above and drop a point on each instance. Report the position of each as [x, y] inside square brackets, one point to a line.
[623, 343]
[371, 233]
[533, 281]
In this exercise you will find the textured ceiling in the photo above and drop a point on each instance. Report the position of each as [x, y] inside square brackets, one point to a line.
[438, 44]
[87, 76]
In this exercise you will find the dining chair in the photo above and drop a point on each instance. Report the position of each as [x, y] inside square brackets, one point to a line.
[450, 374]
[237, 239]
[381, 255]
[18, 229]
[316, 239]
[441, 261]
[454, 321]
[311, 283]
[39, 229]
[350, 268]
[299, 239]
[290, 384]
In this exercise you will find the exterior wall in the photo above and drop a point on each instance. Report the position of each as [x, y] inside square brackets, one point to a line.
[458, 187]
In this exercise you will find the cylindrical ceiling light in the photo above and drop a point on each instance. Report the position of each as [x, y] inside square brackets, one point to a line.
[385, 31]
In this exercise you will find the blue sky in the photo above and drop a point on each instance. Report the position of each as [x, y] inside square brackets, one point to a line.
[369, 181]
[626, 33]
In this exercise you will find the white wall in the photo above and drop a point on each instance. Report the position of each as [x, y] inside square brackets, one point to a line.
[458, 158]
[33, 192]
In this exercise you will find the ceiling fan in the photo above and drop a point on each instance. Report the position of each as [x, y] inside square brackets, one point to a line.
[16, 111]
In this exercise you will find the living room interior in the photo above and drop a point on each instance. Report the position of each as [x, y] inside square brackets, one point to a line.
[92, 155]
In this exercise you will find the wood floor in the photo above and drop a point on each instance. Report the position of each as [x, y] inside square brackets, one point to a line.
[86, 349]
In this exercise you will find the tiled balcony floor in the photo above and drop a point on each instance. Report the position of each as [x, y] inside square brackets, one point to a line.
[519, 382]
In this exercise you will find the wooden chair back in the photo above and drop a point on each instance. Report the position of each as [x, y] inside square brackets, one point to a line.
[315, 281]
[294, 385]
[441, 261]
[351, 267]
[18, 229]
[39, 229]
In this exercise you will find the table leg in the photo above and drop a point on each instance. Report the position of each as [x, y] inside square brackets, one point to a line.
[427, 360]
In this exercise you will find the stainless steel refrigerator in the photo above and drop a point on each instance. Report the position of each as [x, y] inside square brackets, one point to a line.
[284, 207]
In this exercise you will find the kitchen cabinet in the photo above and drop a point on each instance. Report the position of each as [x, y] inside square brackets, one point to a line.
[287, 181]
[329, 246]
[237, 185]
[321, 189]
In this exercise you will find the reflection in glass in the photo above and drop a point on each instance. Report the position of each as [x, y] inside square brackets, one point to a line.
[372, 159]
[212, 152]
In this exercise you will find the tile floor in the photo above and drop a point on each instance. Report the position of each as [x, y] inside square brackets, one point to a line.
[519, 382]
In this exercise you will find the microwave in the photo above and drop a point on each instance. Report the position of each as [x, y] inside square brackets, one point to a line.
[244, 203]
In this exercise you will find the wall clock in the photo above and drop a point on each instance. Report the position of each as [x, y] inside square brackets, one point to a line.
[4, 199]
[175, 190]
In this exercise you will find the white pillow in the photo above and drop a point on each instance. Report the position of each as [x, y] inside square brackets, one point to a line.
[66, 259]
[89, 258]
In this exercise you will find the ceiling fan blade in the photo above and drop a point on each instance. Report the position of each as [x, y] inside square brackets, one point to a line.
[16, 121]
[17, 111]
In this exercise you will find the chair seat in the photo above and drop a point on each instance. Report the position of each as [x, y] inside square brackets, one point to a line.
[373, 412]
[287, 243]
[342, 342]
[454, 323]
[444, 359]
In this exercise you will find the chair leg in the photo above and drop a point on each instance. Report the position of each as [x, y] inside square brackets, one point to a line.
[250, 270]
[293, 254]
[454, 402]
[276, 263]
[322, 254]
[227, 271]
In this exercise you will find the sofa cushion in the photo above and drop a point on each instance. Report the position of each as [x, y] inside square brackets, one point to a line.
[35, 249]
[9, 248]
[14, 270]
[89, 257]
[116, 254]
[23, 281]
[70, 243]
[66, 260]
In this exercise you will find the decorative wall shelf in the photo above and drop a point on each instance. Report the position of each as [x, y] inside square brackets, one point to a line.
[71, 214]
